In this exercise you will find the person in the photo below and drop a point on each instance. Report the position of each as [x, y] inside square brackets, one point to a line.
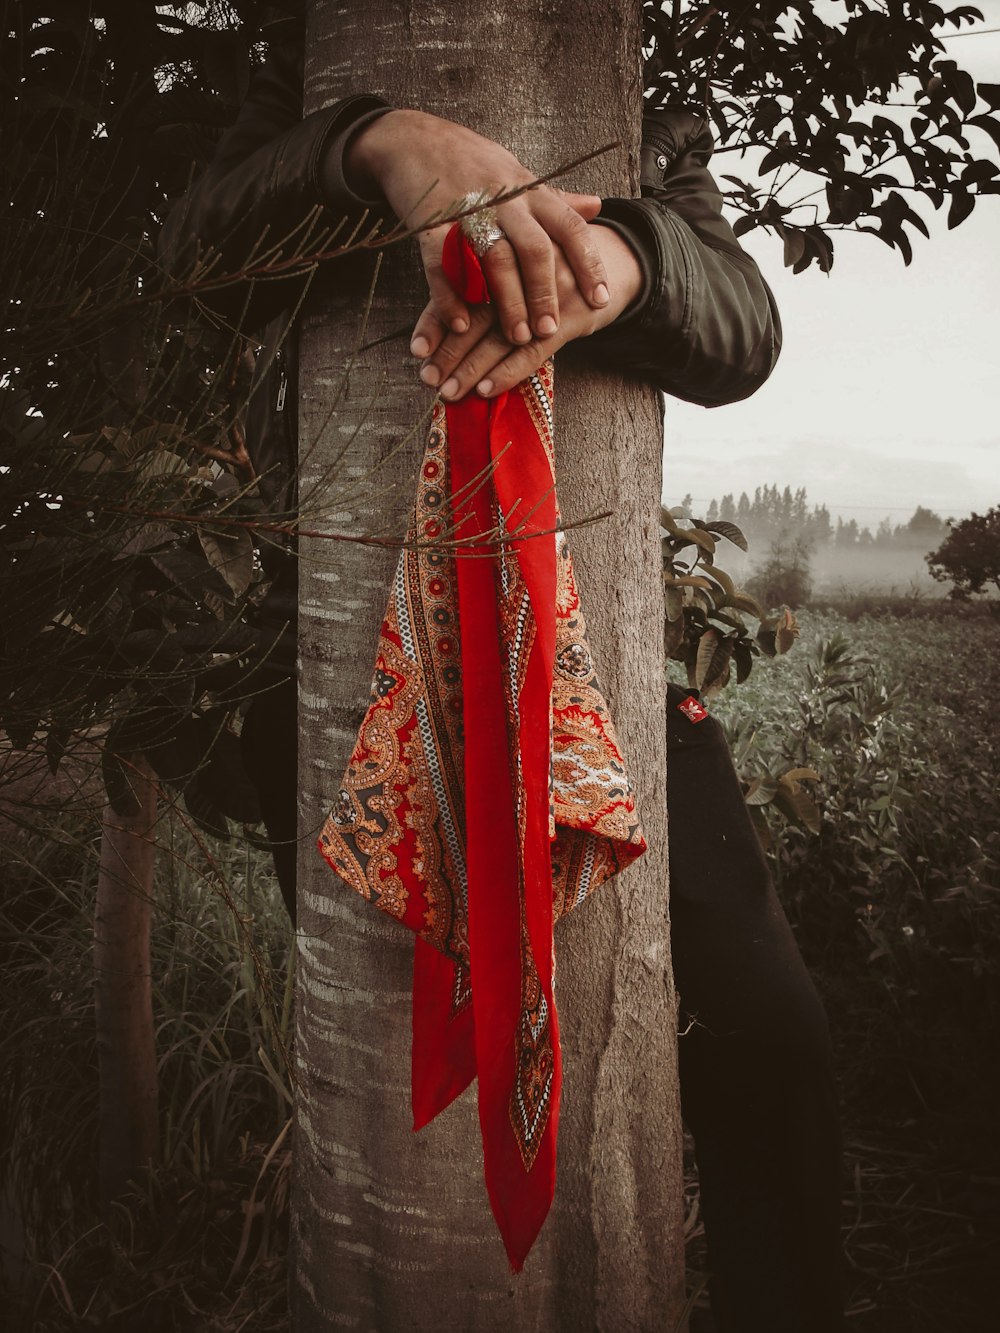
[658, 287]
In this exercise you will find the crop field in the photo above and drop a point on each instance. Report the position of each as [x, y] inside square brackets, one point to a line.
[896, 905]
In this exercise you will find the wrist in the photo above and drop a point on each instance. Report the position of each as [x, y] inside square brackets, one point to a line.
[341, 190]
[367, 151]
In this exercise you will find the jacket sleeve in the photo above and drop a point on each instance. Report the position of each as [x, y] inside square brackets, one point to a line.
[274, 191]
[705, 328]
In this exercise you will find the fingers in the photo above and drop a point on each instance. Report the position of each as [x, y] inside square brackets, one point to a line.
[518, 364]
[587, 205]
[459, 359]
[568, 228]
[450, 310]
[522, 280]
[522, 272]
[521, 267]
[484, 359]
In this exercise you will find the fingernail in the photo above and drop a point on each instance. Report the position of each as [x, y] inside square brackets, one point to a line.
[601, 294]
[522, 333]
[547, 325]
[420, 347]
[484, 387]
[430, 375]
[459, 325]
[449, 388]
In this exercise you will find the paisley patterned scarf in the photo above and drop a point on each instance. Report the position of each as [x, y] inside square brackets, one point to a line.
[486, 795]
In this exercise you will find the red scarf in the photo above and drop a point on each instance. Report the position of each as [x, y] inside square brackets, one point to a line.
[486, 795]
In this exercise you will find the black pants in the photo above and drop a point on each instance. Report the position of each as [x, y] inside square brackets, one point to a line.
[755, 1065]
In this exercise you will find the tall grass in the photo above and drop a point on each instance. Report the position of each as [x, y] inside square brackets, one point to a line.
[200, 1243]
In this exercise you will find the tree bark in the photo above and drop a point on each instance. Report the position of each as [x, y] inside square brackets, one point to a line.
[129, 1131]
[393, 1230]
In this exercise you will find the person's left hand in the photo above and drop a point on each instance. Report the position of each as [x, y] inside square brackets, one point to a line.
[484, 359]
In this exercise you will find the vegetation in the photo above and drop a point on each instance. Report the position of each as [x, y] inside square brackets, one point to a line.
[969, 557]
[892, 888]
[783, 577]
[854, 111]
[889, 868]
[705, 626]
[130, 581]
[200, 1241]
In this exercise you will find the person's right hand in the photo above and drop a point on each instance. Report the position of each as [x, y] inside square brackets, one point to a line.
[484, 359]
[424, 165]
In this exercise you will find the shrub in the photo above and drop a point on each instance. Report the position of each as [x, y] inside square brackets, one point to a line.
[896, 902]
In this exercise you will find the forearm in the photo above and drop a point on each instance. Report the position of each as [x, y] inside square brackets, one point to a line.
[705, 327]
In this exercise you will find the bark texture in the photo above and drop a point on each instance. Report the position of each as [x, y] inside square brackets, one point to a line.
[393, 1230]
[129, 1133]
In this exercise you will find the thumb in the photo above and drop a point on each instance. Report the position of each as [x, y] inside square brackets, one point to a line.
[587, 205]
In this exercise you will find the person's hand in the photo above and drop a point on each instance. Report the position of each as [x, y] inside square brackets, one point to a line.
[485, 359]
[424, 165]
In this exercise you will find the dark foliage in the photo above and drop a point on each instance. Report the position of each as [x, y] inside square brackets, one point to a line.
[129, 576]
[852, 113]
[969, 557]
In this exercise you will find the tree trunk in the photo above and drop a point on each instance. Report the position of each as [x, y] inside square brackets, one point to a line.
[129, 1133]
[393, 1230]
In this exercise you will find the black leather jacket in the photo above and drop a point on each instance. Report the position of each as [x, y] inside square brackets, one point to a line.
[705, 327]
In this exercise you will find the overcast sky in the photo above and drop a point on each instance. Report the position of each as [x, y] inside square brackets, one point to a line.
[887, 393]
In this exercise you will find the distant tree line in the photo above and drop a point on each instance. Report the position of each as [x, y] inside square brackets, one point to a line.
[785, 516]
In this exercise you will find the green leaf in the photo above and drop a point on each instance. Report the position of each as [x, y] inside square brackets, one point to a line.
[731, 620]
[232, 636]
[792, 801]
[761, 791]
[20, 732]
[728, 530]
[689, 581]
[686, 536]
[725, 583]
[795, 247]
[787, 632]
[765, 641]
[714, 653]
[962, 204]
[743, 657]
[962, 90]
[744, 602]
[194, 578]
[673, 637]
